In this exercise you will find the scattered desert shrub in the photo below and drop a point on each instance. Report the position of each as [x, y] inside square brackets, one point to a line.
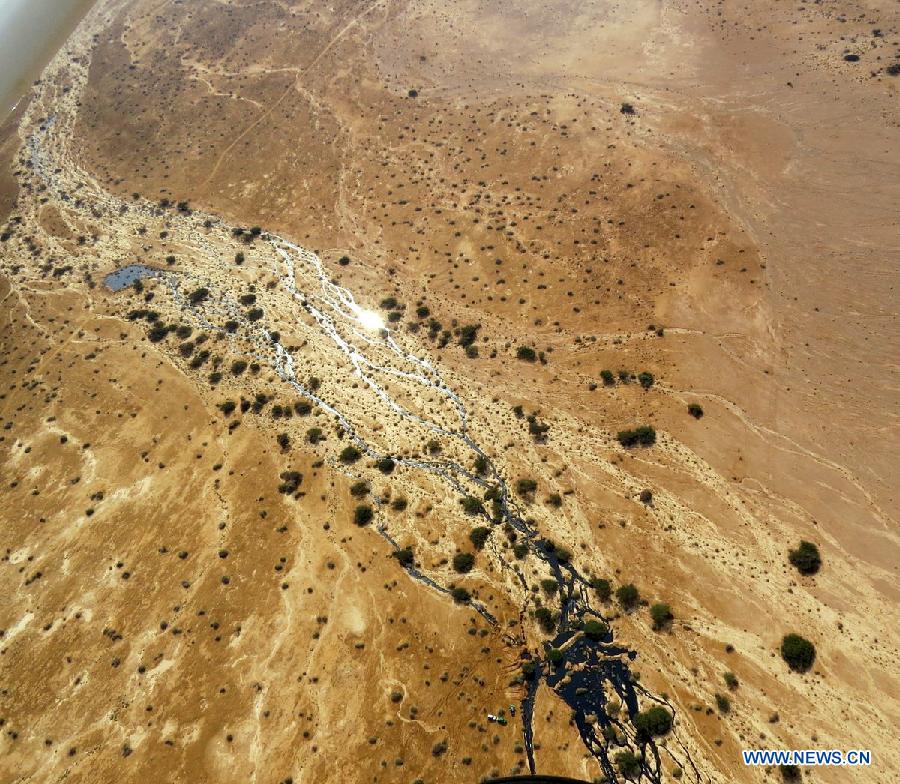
[478, 536]
[363, 514]
[628, 596]
[723, 703]
[806, 558]
[385, 465]
[460, 594]
[404, 556]
[695, 410]
[602, 587]
[198, 295]
[525, 487]
[545, 619]
[629, 764]
[643, 436]
[662, 615]
[526, 354]
[608, 378]
[596, 630]
[471, 505]
[645, 379]
[350, 454]
[654, 722]
[798, 652]
[463, 562]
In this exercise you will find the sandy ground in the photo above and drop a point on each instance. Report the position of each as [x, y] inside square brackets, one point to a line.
[173, 614]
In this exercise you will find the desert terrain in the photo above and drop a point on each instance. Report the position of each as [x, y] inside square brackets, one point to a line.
[419, 392]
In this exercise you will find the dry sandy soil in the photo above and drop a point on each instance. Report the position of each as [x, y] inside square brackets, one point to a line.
[188, 597]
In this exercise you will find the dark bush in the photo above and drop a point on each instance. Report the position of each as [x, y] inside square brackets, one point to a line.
[526, 354]
[385, 465]
[350, 454]
[602, 587]
[478, 536]
[695, 410]
[643, 435]
[463, 562]
[596, 630]
[608, 378]
[363, 515]
[525, 487]
[404, 556]
[645, 379]
[629, 764]
[798, 652]
[628, 596]
[654, 722]
[460, 595]
[662, 615]
[806, 558]
[545, 619]
[198, 295]
[555, 656]
[549, 586]
[471, 505]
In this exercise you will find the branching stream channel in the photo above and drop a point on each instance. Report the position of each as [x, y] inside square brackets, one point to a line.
[593, 670]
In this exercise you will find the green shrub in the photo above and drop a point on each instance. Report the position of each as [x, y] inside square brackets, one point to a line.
[661, 615]
[314, 435]
[363, 515]
[463, 562]
[549, 586]
[359, 489]
[798, 652]
[520, 550]
[478, 536]
[654, 722]
[385, 465]
[525, 487]
[404, 556]
[555, 656]
[350, 454]
[806, 558]
[723, 703]
[526, 354]
[546, 620]
[468, 334]
[602, 587]
[481, 465]
[731, 680]
[629, 764]
[695, 410]
[628, 596]
[646, 379]
[399, 504]
[198, 295]
[596, 630]
[643, 436]
[460, 595]
[472, 505]
[608, 378]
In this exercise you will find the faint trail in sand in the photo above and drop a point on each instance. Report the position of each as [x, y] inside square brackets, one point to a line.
[291, 88]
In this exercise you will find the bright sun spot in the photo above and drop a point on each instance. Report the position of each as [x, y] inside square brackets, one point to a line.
[370, 320]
